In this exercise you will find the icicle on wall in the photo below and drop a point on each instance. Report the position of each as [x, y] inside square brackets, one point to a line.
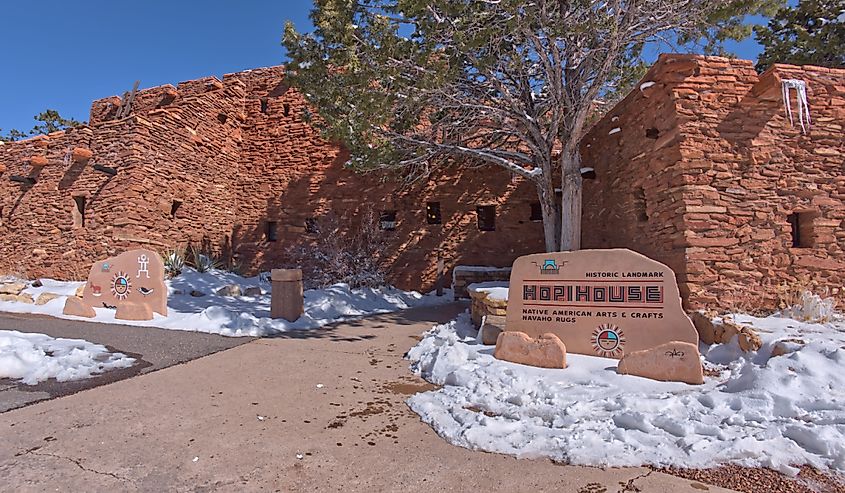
[803, 106]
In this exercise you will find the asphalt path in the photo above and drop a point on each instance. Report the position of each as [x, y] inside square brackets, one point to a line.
[152, 348]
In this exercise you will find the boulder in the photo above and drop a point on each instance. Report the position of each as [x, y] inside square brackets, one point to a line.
[491, 327]
[12, 287]
[726, 330]
[229, 290]
[546, 351]
[197, 294]
[79, 291]
[78, 308]
[703, 322]
[674, 361]
[45, 298]
[253, 291]
[133, 311]
[749, 340]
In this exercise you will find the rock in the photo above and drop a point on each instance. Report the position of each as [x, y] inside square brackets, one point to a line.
[253, 291]
[135, 277]
[674, 361]
[787, 346]
[45, 298]
[703, 322]
[546, 351]
[229, 290]
[17, 298]
[726, 330]
[197, 294]
[749, 340]
[603, 302]
[37, 283]
[78, 308]
[491, 328]
[79, 291]
[133, 311]
[12, 287]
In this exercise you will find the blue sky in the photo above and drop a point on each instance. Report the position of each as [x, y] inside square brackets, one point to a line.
[62, 54]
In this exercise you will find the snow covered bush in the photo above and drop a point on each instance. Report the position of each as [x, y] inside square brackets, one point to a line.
[353, 258]
[812, 308]
[800, 301]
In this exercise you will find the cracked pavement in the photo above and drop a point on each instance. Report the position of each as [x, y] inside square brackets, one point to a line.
[316, 411]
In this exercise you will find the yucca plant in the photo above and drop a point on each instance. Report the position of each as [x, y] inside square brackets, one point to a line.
[174, 261]
[204, 261]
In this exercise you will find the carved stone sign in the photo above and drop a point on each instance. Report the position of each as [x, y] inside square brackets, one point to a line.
[598, 302]
[131, 283]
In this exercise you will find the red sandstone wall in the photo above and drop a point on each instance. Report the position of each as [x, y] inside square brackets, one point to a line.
[295, 175]
[738, 169]
[635, 199]
[233, 167]
[752, 169]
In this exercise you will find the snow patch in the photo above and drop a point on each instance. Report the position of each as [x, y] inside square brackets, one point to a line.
[242, 315]
[614, 130]
[646, 85]
[775, 412]
[33, 358]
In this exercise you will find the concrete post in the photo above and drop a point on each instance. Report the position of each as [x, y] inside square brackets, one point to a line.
[286, 295]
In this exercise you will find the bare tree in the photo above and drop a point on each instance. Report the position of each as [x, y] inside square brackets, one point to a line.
[507, 83]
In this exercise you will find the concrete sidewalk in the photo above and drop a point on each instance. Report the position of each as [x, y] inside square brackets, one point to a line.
[317, 411]
[152, 348]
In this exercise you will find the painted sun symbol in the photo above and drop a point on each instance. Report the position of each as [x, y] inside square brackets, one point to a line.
[608, 341]
[121, 286]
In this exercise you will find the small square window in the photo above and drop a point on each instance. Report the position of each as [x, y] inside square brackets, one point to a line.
[272, 231]
[536, 212]
[486, 217]
[387, 220]
[432, 213]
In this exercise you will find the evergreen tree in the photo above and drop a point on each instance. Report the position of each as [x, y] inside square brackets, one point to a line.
[50, 121]
[412, 84]
[811, 33]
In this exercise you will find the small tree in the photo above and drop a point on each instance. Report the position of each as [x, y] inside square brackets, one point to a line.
[811, 33]
[508, 83]
[50, 121]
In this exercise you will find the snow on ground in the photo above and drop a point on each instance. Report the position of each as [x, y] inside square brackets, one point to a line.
[242, 315]
[33, 358]
[775, 412]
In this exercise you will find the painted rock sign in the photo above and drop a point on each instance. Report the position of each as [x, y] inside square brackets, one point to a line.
[131, 283]
[598, 302]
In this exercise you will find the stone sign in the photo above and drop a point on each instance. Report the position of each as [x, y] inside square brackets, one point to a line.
[132, 284]
[598, 302]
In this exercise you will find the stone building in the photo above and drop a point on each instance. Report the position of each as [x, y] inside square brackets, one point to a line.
[701, 168]
[231, 165]
[705, 173]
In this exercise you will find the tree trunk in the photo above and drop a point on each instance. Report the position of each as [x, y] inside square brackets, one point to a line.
[570, 233]
[551, 219]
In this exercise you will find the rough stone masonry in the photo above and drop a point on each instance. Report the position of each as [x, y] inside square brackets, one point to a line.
[705, 174]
